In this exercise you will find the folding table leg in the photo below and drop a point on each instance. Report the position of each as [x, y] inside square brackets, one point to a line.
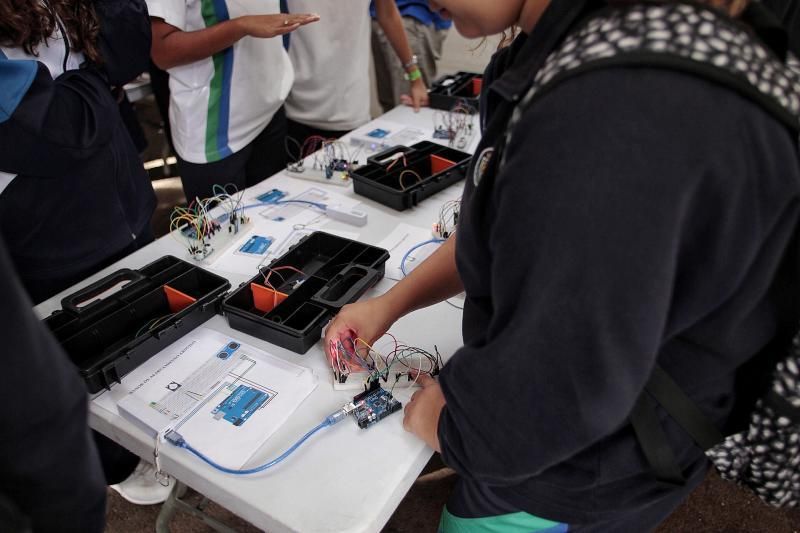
[174, 503]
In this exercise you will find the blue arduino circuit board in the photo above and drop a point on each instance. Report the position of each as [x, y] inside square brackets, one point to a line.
[378, 133]
[270, 196]
[373, 406]
[256, 245]
[240, 405]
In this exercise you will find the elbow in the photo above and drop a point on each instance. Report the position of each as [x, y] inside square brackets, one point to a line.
[163, 44]
[161, 58]
[385, 11]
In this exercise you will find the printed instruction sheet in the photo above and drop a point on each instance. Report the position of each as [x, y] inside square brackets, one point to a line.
[223, 396]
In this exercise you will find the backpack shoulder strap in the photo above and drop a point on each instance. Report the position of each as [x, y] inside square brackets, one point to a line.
[685, 37]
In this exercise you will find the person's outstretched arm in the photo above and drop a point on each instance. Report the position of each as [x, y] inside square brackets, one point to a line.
[173, 47]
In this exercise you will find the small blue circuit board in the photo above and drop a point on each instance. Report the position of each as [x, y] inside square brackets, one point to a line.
[441, 133]
[270, 196]
[256, 245]
[374, 406]
[228, 350]
[240, 405]
[378, 133]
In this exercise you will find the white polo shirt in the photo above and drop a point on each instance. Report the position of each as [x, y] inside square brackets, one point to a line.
[331, 62]
[218, 105]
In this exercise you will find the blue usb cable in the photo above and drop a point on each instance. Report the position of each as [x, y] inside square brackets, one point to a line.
[318, 205]
[174, 438]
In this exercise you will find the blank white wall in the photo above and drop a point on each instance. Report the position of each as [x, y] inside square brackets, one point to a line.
[471, 55]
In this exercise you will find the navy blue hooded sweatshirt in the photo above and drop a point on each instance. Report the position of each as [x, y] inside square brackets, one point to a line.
[81, 194]
[639, 216]
[50, 473]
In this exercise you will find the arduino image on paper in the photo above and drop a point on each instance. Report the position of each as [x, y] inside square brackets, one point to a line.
[240, 405]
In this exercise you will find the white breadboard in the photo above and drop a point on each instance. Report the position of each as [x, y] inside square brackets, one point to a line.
[222, 241]
[359, 382]
[341, 179]
[358, 377]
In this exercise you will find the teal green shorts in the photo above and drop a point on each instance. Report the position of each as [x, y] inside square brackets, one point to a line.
[518, 522]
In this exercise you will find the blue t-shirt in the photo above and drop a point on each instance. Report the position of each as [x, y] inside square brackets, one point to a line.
[419, 10]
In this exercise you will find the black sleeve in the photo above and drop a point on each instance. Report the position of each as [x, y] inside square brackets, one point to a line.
[55, 124]
[125, 38]
[788, 12]
[72, 117]
[615, 193]
[48, 464]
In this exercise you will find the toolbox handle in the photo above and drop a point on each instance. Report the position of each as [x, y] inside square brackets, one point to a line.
[93, 294]
[379, 158]
[347, 286]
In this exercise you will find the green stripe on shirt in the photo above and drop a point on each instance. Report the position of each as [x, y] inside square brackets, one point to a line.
[212, 114]
[212, 119]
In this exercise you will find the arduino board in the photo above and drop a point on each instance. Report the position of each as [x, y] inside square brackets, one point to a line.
[373, 406]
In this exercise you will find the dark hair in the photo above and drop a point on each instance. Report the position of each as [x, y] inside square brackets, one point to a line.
[507, 37]
[27, 24]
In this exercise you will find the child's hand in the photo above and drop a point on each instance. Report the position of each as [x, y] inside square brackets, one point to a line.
[265, 26]
[367, 320]
[422, 412]
[418, 97]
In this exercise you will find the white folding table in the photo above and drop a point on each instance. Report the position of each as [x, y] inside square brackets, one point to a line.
[344, 479]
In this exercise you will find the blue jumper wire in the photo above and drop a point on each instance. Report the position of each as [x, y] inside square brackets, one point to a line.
[224, 217]
[415, 247]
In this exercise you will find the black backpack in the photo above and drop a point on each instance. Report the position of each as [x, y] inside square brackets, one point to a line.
[760, 448]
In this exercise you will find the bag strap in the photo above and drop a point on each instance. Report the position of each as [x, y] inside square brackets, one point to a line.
[662, 390]
[682, 408]
[679, 36]
[653, 441]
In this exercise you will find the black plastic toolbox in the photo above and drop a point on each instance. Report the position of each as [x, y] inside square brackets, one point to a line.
[108, 336]
[112, 326]
[296, 295]
[403, 176]
[449, 90]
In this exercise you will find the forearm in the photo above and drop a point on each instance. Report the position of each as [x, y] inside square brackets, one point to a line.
[433, 281]
[392, 24]
[173, 47]
[388, 16]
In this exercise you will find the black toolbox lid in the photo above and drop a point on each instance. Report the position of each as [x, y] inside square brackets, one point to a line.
[293, 298]
[449, 90]
[113, 325]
